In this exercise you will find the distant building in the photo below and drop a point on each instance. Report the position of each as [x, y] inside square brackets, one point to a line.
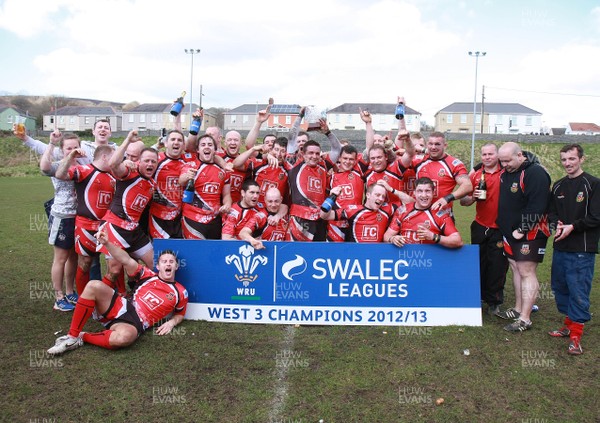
[242, 118]
[10, 115]
[154, 116]
[347, 116]
[76, 118]
[581, 128]
[498, 118]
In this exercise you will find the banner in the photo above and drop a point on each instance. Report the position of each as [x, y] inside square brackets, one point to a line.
[328, 283]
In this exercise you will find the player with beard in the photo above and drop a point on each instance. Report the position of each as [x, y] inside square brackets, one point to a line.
[272, 226]
[368, 222]
[201, 219]
[418, 223]
[380, 169]
[165, 211]
[133, 193]
[126, 319]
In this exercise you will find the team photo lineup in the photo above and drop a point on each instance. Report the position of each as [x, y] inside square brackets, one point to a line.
[115, 200]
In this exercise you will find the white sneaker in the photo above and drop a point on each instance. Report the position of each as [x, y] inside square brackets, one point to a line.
[65, 343]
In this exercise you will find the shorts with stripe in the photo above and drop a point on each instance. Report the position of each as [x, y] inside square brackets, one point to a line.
[196, 230]
[85, 242]
[533, 250]
[135, 242]
[61, 232]
[120, 310]
[164, 229]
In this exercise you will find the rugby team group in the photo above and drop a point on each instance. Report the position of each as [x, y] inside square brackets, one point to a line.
[116, 199]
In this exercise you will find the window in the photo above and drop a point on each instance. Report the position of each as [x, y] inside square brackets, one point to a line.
[336, 118]
[245, 119]
[233, 118]
[463, 118]
[275, 120]
[409, 119]
[498, 118]
[9, 118]
[72, 120]
[86, 120]
[477, 118]
[62, 120]
[288, 120]
[142, 118]
[131, 118]
[349, 119]
[513, 121]
[529, 120]
[153, 117]
[449, 118]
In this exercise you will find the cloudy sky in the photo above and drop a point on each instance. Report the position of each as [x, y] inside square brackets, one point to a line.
[542, 54]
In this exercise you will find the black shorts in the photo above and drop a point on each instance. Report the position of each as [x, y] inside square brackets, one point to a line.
[533, 250]
[196, 230]
[135, 242]
[164, 229]
[121, 310]
[61, 232]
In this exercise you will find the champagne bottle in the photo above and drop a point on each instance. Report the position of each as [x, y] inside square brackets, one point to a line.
[195, 126]
[178, 105]
[482, 187]
[328, 203]
[400, 109]
[188, 193]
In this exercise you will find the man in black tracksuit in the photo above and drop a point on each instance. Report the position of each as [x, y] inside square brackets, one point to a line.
[575, 213]
[522, 219]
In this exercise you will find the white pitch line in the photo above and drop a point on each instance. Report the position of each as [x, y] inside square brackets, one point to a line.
[281, 383]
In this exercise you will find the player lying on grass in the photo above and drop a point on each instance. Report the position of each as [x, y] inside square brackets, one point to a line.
[155, 296]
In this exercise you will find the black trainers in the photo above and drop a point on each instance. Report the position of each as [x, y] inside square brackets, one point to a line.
[508, 314]
[518, 326]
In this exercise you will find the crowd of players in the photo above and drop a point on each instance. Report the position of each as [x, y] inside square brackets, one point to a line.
[399, 190]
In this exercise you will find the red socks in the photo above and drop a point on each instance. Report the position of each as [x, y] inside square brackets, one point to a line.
[100, 339]
[81, 279]
[82, 313]
[576, 330]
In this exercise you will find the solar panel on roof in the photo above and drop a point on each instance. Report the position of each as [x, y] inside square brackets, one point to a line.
[285, 109]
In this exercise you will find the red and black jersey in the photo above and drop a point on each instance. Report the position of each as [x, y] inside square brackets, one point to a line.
[393, 174]
[353, 187]
[307, 189]
[133, 193]
[237, 218]
[486, 211]
[95, 190]
[236, 178]
[209, 182]
[262, 230]
[406, 221]
[269, 177]
[154, 299]
[442, 172]
[166, 204]
[364, 224]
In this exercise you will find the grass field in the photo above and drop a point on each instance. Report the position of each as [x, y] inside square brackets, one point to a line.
[210, 372]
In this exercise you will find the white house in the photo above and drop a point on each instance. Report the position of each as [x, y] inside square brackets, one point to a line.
[347, 116]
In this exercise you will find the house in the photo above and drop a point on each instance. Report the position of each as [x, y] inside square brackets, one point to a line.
[498, 118]
[78, 118]
[347, 116]
[154, 116]
[581, 128]
[10, 115]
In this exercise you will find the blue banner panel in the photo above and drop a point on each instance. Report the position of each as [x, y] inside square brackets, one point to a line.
[329, 283]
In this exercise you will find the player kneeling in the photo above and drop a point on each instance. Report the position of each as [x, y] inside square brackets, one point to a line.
[156, 296]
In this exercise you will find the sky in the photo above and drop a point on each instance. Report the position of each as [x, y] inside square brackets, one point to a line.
[542, 54]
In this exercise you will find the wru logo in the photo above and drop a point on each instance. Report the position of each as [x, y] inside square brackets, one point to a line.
[246, 263]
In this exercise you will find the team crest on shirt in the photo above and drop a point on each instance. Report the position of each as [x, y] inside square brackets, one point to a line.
[500, 244]
[222, 175]
[442, 173]
[525, 249]
[579, 198]
[351, 176]
[281, 176]
[427, 224]
[514, 187]
[170, 296]
[379, 218]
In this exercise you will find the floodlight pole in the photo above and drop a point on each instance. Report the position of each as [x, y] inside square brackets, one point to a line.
[192, 51]
[476, 54]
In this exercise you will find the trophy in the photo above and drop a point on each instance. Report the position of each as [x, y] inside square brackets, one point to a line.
[312, 114]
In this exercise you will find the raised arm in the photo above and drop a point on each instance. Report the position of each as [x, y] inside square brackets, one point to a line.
[336, 146]
[261, 117]
[117, 166]
[62, 172]
[239, 162]
[48, 156]
[117, 253]
[365, 115]
[293, 143]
